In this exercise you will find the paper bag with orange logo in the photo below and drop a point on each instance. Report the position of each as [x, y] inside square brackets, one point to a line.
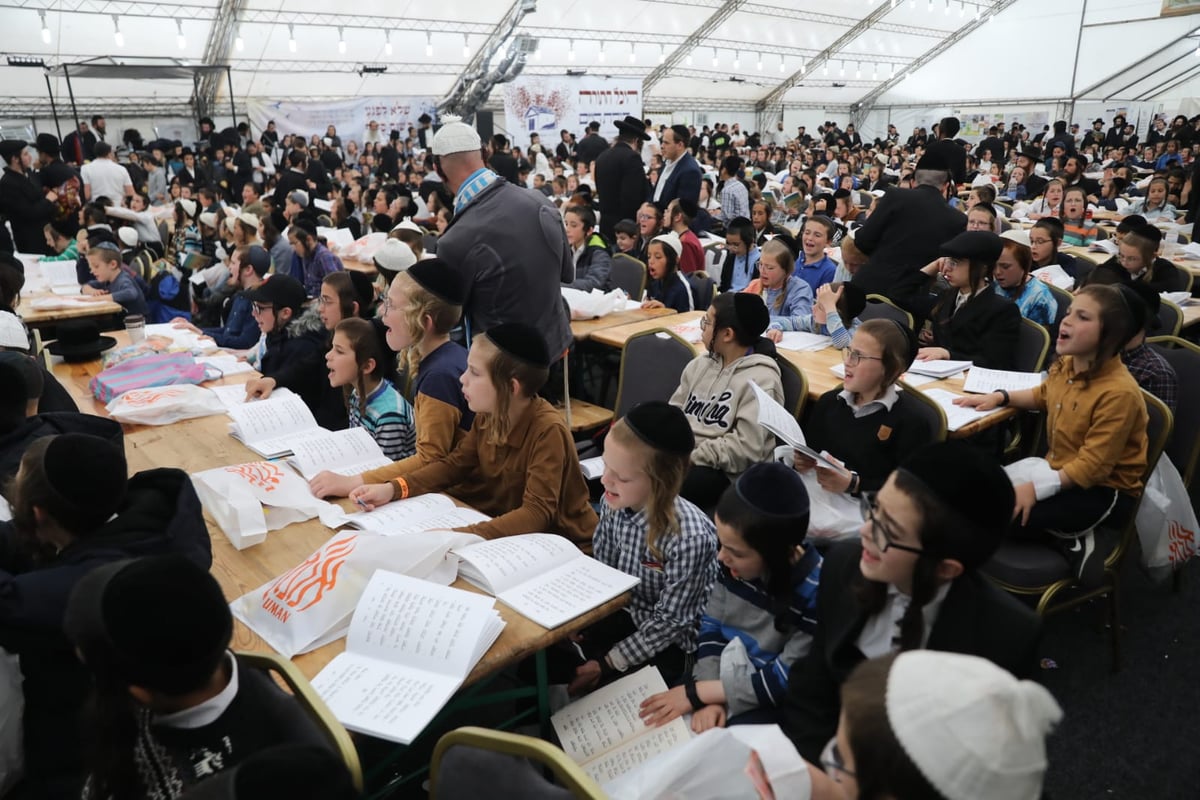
[247, 500]
[311, 605]
[164, 405]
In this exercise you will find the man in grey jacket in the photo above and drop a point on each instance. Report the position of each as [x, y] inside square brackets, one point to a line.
[506, 242]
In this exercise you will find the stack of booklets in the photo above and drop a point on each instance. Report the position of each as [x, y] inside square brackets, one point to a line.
[542, 576]
[415, 514]
[268, 427]
[412, 643]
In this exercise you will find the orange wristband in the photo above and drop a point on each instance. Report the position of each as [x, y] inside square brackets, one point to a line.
[400, 489]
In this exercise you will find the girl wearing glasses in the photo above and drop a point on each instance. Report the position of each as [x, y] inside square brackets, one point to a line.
[912, 582]
[970, 322]
[868, 427]
[893, 739]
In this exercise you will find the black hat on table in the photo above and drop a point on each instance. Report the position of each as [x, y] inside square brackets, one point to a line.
[281, 291]
[975, 245]
[520, 341]
[80, 340]
[436, 277]
[633, 126]
[662, 426]
[773, 489]
[161, 623]
[975, 488]
[751, 314]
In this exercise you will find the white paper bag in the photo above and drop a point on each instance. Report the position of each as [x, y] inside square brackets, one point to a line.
[164, 405]
[830, 516]
[365, 248]
[1166, 522]
[247, 500]
[12, 711]
[311, 604]
[589, 305]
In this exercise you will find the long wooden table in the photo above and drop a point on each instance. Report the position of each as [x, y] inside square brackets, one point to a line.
[585, 329]
[814, 364]
[204, 443]
[36, 290]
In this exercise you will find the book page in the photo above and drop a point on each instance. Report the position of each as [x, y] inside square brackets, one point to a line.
[981, 380]
[405, 620]
[653, 742]
[939, 368]
[235, 394]
[592, 467]
[799, 340]
[265, 419]
[956, 416]
[346, 452]
[567, 591]
[59, 273]
[400, 513]
[776, 419]
[501, 564]
[451, 519]
[608, 717]
[380, 699]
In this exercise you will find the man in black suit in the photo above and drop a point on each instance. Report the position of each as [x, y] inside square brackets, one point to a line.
[681, 174]
[592, 145]
[291, 179]
[856, 608]
[1028, 159]
[1072, 173]
[389, 158]
[621, 176]
[993, 145]
[951, 151]
[502, 162]
[904, 232]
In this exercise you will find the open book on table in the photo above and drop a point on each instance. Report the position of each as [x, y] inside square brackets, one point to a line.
[956, 416]
[348, 452]
[939, 368]
[542, 576]
[603, 733]
[270, 427]
[411, 645]
[423, 513]
[59, 274]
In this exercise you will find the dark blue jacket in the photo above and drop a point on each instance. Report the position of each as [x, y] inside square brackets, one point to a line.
[684, 181]
[240, 331]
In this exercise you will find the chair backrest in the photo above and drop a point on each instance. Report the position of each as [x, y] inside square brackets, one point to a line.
[312, 704]
[461, 779]
[1184, 447]
[1159, 425]
[1033, 343]
[795, 386]
[1063, 299]
[1170, 318]
[928, 410]
[629, 275]
[1181, 279]
[703, 289]
[879, 307]
[651, 366]
[1101, 233]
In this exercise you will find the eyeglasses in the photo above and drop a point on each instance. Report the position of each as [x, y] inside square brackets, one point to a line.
[883, 538]
[645, 216]
[1040, 242]
[704, 323]
[323, 301]
[1123, 259]
[834, 763]
[853, 357]
[259, 308]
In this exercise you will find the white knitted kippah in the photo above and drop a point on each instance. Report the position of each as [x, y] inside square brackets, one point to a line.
[455, 136]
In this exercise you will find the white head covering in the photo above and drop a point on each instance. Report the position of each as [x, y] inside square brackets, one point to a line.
[395, 255]
[672, 241]
[188, 206]
[1018, 235]
[973, 730]
[407, 224]
[128, 236]
[455, 136]
[209, 218]
[12, 333]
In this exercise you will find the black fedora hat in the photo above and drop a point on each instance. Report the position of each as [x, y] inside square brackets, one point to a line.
[633, 125]
[80, 340]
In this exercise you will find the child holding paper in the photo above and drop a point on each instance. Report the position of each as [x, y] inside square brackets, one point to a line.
[355, 365]
[715, 393]
[868, 427]
[518, 462]
[422, 306]
[761, 615]
[647, 530]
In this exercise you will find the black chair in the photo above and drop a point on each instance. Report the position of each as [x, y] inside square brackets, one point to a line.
[879, 307]
[629, 275]
[1033, 344]
[1184, 447]
[1179, 280]
[1170, 318]
[929, 411]
[703, 290]
[795, 386]
[1039, 570]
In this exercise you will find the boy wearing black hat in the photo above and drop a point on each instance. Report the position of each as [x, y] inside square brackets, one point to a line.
[716, 395]
[1152, 372]
[290, 350]
[173, 706]
[73, 511]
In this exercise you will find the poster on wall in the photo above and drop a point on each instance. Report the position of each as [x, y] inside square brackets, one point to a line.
[1171, 8]
[350, 117]
[547, 105]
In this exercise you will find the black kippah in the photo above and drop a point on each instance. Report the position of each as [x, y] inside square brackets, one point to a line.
[159, 622]
[436, 277]
[773, 489]
[31, 373]
[521, 342]
[662, 426]
[689, 207]
[89, 476]
[751, 313]
[975, 488]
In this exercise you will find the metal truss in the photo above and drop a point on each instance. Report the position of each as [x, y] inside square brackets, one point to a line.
[312, 66]
[718, 17]
[866, 101]
[216, 51]
[831, 19]
[39, 106]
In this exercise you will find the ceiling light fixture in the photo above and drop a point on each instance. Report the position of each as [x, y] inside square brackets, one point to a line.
[180, 39]
[45, 28]
[118, 37]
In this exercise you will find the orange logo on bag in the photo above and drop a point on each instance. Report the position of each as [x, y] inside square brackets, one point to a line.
[146, 397]
[304, 586]
[259, 474]
[1182, 542]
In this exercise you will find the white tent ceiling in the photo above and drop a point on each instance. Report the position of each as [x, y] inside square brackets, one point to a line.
[718, 54]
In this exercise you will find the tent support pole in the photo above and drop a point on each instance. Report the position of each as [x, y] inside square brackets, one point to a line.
[232, 108]
[71, 94]
[53, 107]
